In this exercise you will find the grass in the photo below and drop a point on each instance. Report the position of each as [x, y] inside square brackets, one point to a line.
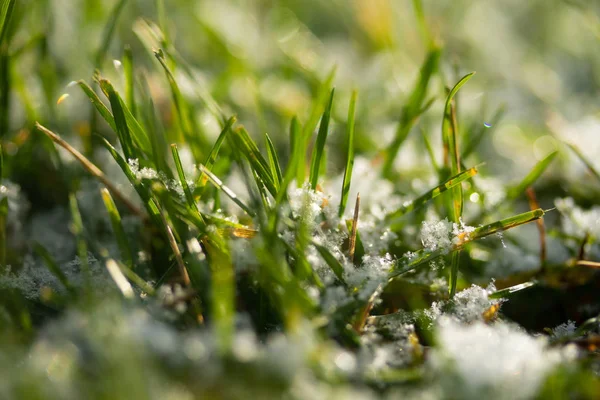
[207, 217]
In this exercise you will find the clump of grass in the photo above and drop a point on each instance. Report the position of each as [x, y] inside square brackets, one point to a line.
[228, 262]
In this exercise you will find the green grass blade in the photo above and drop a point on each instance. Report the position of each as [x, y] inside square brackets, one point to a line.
[93, 169]
[109, 32]
[214, 152]
[350, 154]
[585, 160]
[6, 9]
[320, 143]
[532, 176]
[411, 110]
[126, 124]
[454, 272]
[53, 266]
[121, 123]
[318, 107]
[82, 247]
[432, 194]
[451, 158]
[273, 161]
[407, 263]
[117, 225]
[219, 184]
[257, 162]
[509, 291]
[331, 261]
[189, 197]
[98, 104]
[294, 163]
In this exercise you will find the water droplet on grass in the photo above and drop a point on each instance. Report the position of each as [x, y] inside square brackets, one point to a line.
[487, 124]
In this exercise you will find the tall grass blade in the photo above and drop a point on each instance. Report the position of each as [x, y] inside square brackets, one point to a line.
[219, 184]
[320, 143]
[257, 162]
[273, 161]
[349, 154]
[214, 152]
[412, 109]
[117, 225]
[126, 124]
[532, 176]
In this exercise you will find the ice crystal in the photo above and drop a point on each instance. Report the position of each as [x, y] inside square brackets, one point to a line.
[499, 361]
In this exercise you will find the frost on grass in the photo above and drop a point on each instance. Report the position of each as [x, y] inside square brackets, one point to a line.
[369, 275]
[443, 235]
[563, 330]
[493, 361]
[33, 277]
[146, 173]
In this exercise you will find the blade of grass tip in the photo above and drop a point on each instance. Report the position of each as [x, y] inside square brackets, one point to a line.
[117, 225]
[585, 160]
[410, 262]
[317, 108]
[349, 154]
[91, 168]
[129, 129]
[411, 109]
[273, 161]
[509, 291]
[486, 129]
[82, 247]
[320, 143]
[448, 139]
[120, 280]
[257, 162]
[108, 33]
[532, 176]
[295, 161]
[533, 205]
[432, 194]
[219, 184]
[129, 80]
[98, 104]
[214, 151]
[353, 232]
[53, 266]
